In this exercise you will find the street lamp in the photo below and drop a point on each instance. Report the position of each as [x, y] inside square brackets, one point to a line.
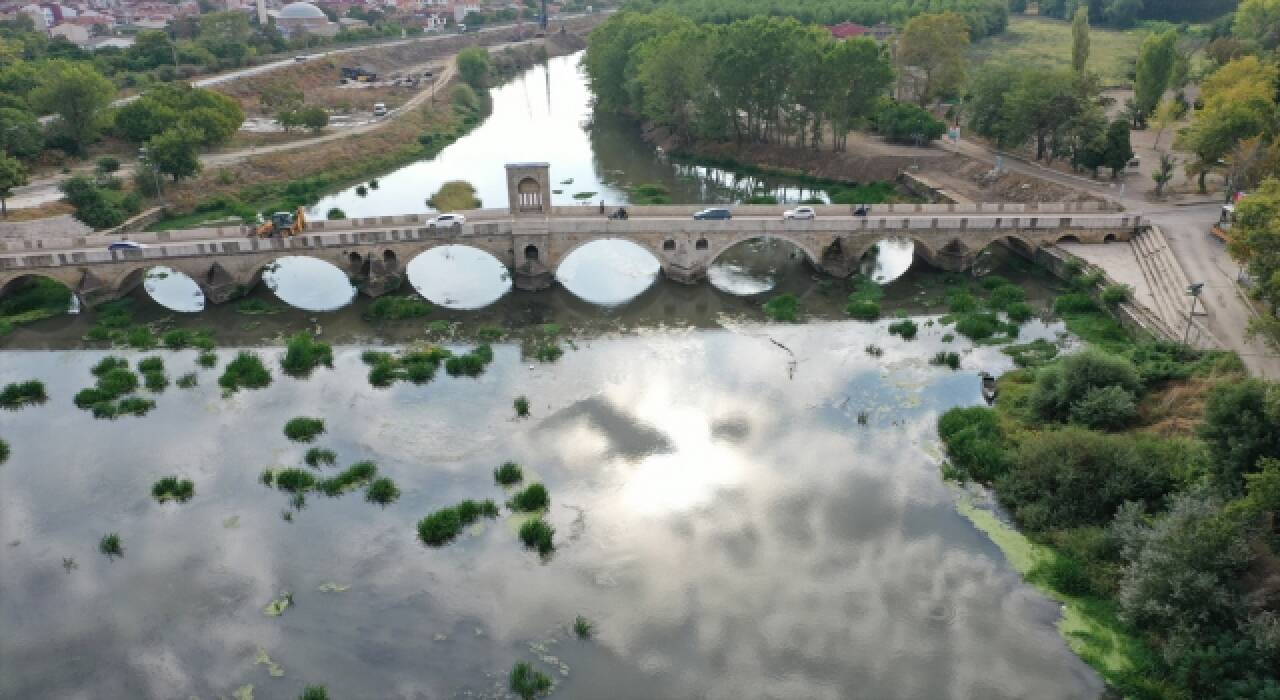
[1194, 290]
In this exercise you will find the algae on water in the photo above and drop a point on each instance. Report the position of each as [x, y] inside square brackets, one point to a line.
[277, 607]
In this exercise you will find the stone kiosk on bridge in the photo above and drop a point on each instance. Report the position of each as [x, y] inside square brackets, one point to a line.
[531, 237]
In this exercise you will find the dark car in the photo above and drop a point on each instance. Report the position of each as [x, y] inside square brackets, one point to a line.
[124, 245]
[713, 214]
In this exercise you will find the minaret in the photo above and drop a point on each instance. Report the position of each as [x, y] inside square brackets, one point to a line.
[262, 12]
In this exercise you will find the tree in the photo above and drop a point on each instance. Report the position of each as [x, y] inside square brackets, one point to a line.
[176, 151]
[1123, 13]
[454, 195]
[1240, 420]
[20, 134]
[1164, 172]
[280, 95]
[1040, 106]
[313, 118]
[79, 96]
[906, 123]
[226, 35]
[1166, 116]
[1255, 240]
[1080, 39]
[863, 74]
[473, 66]
[671, 75]
[1215, 133]
[12, 175]
[937, 45]
[1258, 21]
[216, 116]
[1119, 151]
[1155, 66]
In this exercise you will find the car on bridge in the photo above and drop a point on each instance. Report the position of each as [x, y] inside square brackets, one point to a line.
[799, 213]
[124, 245]
[713, 214]
[446, 220]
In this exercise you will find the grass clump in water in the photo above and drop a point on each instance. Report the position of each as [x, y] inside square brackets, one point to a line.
[471, 364]
[190, 380]
[353, 477]
[257, 307]
[382, 491]
[490, 334]
[155, 381]
[863, 309]
[170, 488]
[136, 406]
[1019, 312]
[178, 339]
[303, 353]
[151, 364]
[418, 366]
[529, 683]
[292, 480]
[1033, 354]
[303, 429]
[246, 371]
[111, 546]
[533, 498]
[509, 474]
[583, 627]
[547, 351]
[207, 359]
[397, 309]
[320, 456]
[314, 692]
[784, 307]
[946, 359]
[441, 527]
[521, 404]
[29, 393]
[4, 452]
[905, 328]
[537, 534]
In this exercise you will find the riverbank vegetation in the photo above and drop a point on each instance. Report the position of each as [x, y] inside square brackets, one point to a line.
[417, 365]
[984, 17]
[470, 364]
[110, 397]
[784, 307]
[32, 300]
[393, 308]
[303, 353]
[1147, 484]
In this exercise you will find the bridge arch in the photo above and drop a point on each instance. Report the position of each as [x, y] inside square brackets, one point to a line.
[14, 282]
[715, 250]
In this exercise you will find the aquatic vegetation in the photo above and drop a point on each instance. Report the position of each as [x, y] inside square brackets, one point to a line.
[136, 406]
[1005, 295]
[537, 534]
[303, 429]
[111, 546]
[490, 334]
[961, 302]
[978, 326]
[277, 607]
[550, 330]
[140, 338]
[874, 350]
[155, 381]
[151, 364]
[471, 364]
[521, 404]
[171, 488]
[905, 328]
[1019, 312]
[39, 298]
[527, 682]
[257, 307]
[547, 351]
[352, 478]
[863, 309]
[298, 501]
[293, 480]
[207, 359]
[992, 282]
[246, 371]
[1074, 303]
[583, 627]
[318, 456]
[317, 692]
[177, 339]
[784, 307]
[117, 382]
[4, 452]
[442, 526]
[331, 587]
[106, 410]
[303, 353]
[1033, 354]
[397, 308]
[107, 364]
[509, 474]
[188, 381]
[267, 477]
[418, 366]
[948, 338]
[946, 359]
[533, 498]
[19, 394]
[382, 491]
[1114, 294]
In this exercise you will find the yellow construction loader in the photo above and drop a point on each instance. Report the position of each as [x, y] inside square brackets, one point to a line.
[282, 224]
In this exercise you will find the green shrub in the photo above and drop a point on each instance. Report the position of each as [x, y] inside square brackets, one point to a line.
[509, 474]
[303, 353]
[303, 429]
[978, 326]
[1075, 303]
[109, 363]
[382, 491]
[1114, 294]
[136, 406]
[257, 307]
[537, 534]
[1061, 385]
[140, 337]
[19, 394]
[582, 627]
[1002, 297]
[1019, 312]
[785, 307]
[314, 692]
[490, 334]
[246, 371]
[1104, 408]
[961, 302]
[1240, 420]
[993, 282]
[155, 381]
[905, 328]
[171, 488]
[533, 498]
[1033, 354]
[151, 364]
[320, 456]
[117, 382]
[547, 351]
[527, 682]
[863, 310]
[397, 308]
[975, 442]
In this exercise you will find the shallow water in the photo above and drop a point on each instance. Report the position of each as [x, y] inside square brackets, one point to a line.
[720, 515]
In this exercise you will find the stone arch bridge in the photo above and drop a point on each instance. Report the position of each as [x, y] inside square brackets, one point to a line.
[226, 263]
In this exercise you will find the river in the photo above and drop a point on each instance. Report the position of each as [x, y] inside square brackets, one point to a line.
[742, 508]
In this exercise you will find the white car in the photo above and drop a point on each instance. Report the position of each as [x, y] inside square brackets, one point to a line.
[379, 110]
[447, 220]
[799, 213]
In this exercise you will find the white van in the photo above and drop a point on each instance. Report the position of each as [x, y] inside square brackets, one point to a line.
[379, 109]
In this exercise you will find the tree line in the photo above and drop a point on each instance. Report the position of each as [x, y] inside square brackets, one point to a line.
[761, 80]
[1126, 13]
[984, 17]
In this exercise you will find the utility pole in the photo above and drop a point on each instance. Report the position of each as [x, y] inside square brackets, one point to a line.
[1194, 290]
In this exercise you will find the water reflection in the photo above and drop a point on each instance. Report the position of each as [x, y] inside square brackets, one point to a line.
[309, 284]
[608, 272]
[889, 260]
[173, 290]
[729, 527]
[754, 266]
[459, 277]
